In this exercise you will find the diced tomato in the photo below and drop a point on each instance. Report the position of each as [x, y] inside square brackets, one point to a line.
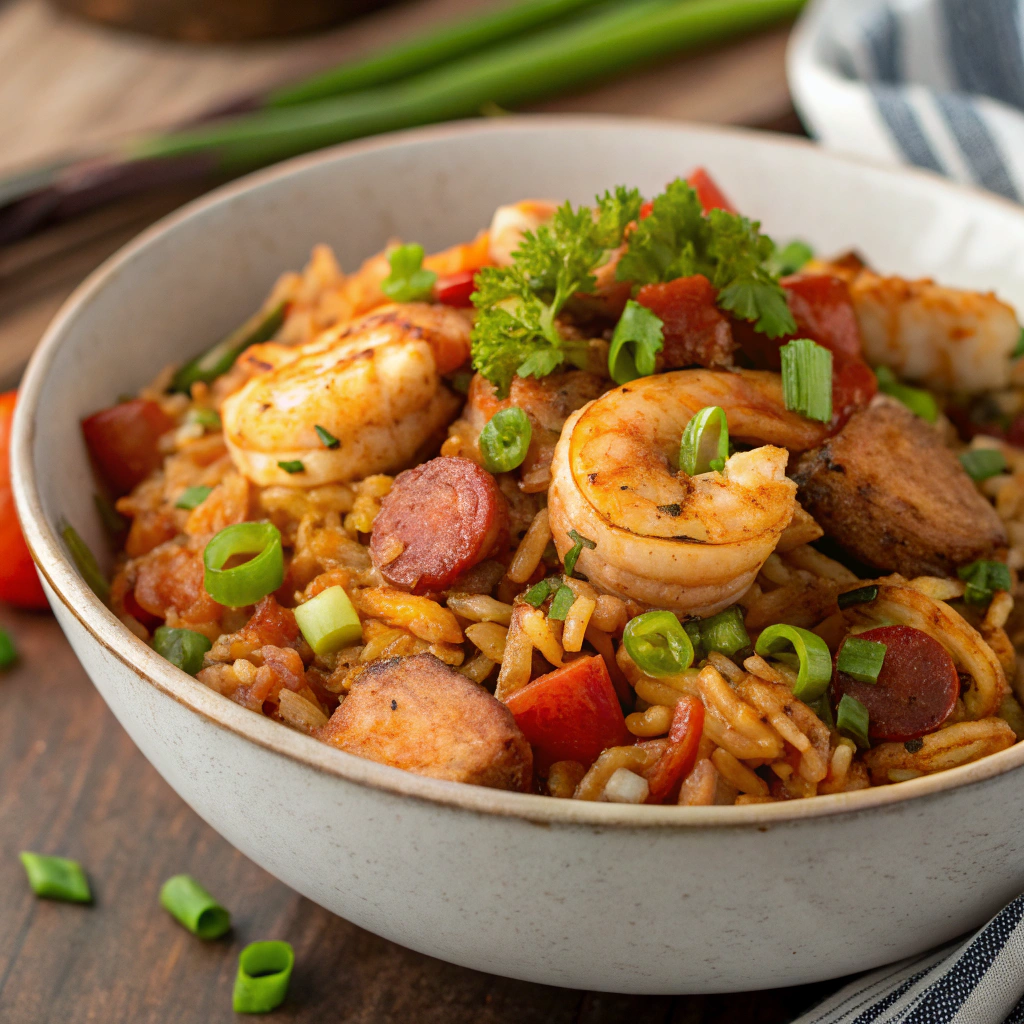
[571, 714]
[674, 765]
[695, 329]
[19, 584]
[710, 195]
[455, 289]
[132, 607]
[123, 442]
[823, 310]
[853, 386]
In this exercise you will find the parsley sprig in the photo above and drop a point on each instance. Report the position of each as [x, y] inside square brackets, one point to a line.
[678, 240]
[516, 331]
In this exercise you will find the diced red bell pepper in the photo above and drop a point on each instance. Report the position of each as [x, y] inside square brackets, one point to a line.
[571, 714]
[123, 442]
[455, 289]
[853, 386]
[710, 195]
[667, 775]
[695, 329]
[19, 584]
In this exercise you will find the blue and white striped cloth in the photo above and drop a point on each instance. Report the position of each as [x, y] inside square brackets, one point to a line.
[940, 84]
[937, 83]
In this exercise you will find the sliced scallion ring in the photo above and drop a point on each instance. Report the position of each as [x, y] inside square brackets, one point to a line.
[193, 497]
[56, 878]
[329, 622]
[814, 660]
[182, 647]
[264, 971]
[192, 906]
[920, 402]
[807, 379]
[658, 644]
[861, 659]
[505, 440]
[983, 579]
[705, 444]
[862, 595]
[724, 632]
[247, 583]
[981, 463]
[853, 720]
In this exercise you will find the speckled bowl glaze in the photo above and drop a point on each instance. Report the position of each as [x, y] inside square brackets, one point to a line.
[600, 896]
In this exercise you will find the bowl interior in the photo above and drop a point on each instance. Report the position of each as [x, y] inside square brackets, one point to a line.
[197, 275]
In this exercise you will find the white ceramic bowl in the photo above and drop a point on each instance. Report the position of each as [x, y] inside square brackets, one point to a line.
[602, 896]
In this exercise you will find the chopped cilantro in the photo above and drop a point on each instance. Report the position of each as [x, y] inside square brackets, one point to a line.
[637, 340]
[328, 439]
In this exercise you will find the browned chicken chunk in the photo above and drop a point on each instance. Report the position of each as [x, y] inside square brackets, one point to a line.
[419, 714]
[891, 492]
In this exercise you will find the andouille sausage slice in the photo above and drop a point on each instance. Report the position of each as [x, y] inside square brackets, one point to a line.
[439, 520]
[916, 689]
[419, 714]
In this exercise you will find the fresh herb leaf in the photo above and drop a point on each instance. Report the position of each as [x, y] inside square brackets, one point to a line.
[983, 579]
[563, 601]
[292, 466]
[193, 497]
[573, 554]
[790, 258]
[408, 281]
[637, 340]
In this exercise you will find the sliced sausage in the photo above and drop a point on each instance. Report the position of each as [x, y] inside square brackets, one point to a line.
[891, 493]
[696, 332]
[420, 715]
[439, 520]
[916, 689]
[123, 441]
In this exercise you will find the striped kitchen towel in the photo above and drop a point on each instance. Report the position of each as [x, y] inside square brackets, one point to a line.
[937, 83]
[978, 980]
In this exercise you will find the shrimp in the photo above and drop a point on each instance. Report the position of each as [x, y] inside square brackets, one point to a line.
[692, 545]
[374, 384]
[510, 223]
[948, 339]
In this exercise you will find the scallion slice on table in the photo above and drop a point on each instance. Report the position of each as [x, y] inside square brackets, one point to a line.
[218, 360]
[920, 402]
[853, 720]
[983, 579]
[193, 497]
[981, 463]
[572, 556]
[862, 595]
[182, 647]
[85, 560]
[264, 971]
[658, 644]
[724, 632]
[328, 621]
[505, 440]
[8, 652]
[814, 662]
[861, 659]
[247, 583]
[638, 338]
[192, 906]
[807, 379]
[561, 603]
[705, 444]
[56, 878]
[326, 437]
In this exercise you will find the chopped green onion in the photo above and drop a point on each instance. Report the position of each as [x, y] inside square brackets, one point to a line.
[328, 439]
[823, 710]
[790, 258]
[920, 402]
[193, 497]
[56, 878]
[658, 643]
[1019, 349]
[219, 359]
[815, 662]
[861, 659]
[292, 466]
[807, 379]
[408, 281]
[191, 905]
[853, 720]
[538, 593]
[563, 601]
[505, 440]
[182, 647]
[705, 444]
[983, 579]
[692, 628]
[460, 382]
[637, 340]
[264, 971]
[981, 463]
[247, 583]
[8, 652]
[206, 418]
[724, 632]
[329, 622]
[86, 562]
[113, 522]
[573, 554]
[862, 595]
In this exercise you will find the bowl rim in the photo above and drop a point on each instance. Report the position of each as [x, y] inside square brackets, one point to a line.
[113, 636]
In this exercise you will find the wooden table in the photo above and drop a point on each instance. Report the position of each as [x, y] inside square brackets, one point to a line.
[71, 782]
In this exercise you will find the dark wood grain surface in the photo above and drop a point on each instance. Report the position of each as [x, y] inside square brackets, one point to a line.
[71, 782]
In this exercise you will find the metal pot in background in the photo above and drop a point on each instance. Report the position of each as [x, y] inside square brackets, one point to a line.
[219, 21]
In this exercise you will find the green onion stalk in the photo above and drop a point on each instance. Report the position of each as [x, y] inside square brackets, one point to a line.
[525, 54]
